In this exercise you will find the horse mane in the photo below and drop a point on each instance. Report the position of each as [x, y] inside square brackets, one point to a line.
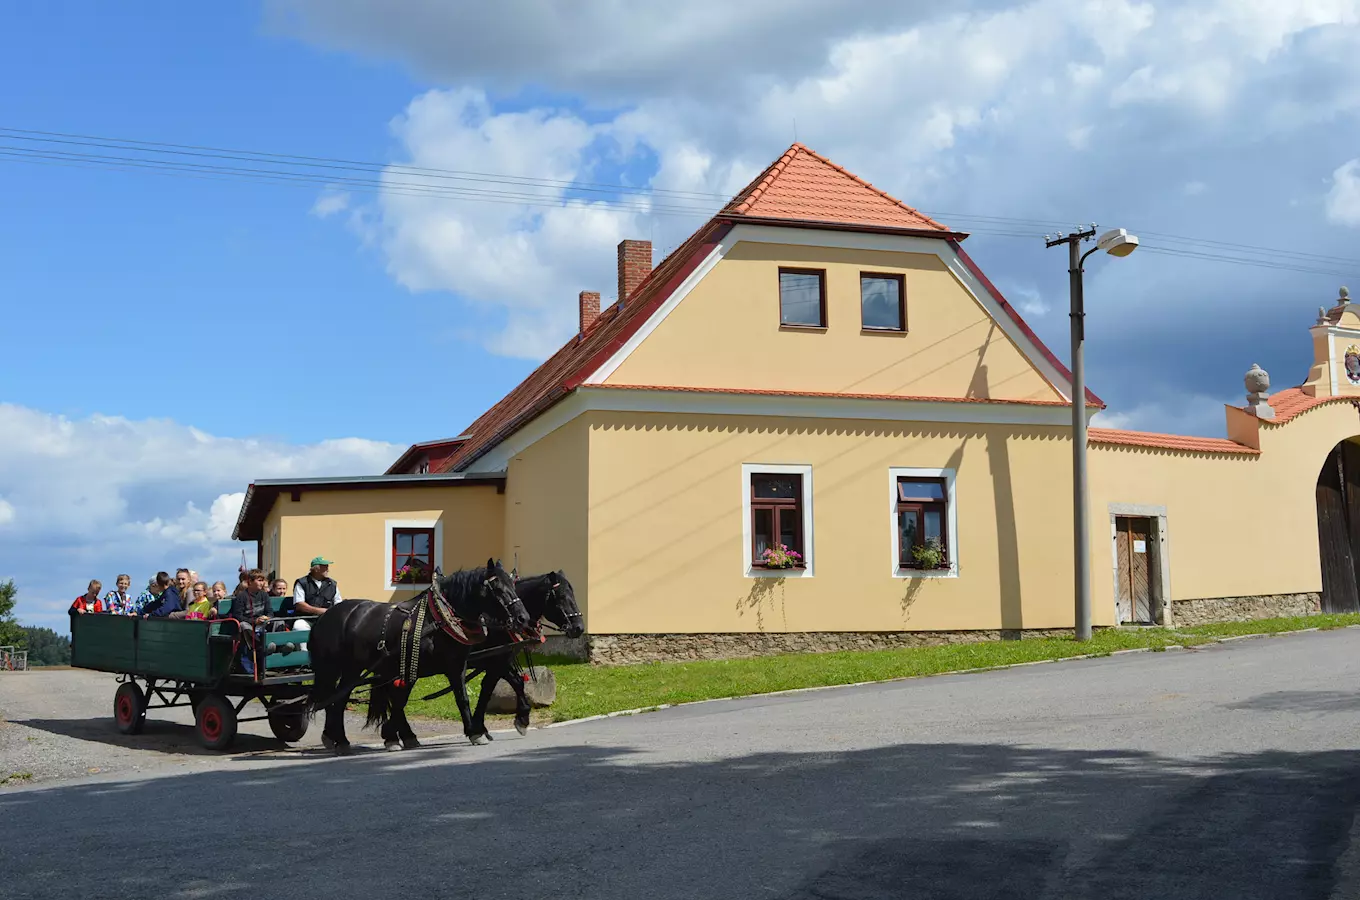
[463, 589]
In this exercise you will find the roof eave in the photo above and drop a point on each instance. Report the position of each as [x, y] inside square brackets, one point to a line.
[249, 524]
[828, 225]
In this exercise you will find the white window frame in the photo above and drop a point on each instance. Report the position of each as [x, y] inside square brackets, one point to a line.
[951, 521]
[809, 556]
[388, 526]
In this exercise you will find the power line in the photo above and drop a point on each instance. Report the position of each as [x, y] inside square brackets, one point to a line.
[272, 169]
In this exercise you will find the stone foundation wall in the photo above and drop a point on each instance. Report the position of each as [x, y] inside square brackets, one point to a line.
[1244, 609]
[561, 645]
[622, 649]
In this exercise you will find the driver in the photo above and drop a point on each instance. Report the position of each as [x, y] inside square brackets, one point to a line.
[315, 592]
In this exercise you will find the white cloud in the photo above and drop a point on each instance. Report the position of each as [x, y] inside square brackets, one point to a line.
[328, 203]
[1102, 110]
[1343, 200]
[1027, 299]
[104, 494]
[525, 261]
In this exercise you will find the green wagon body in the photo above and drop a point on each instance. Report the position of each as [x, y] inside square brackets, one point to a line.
[187, 661]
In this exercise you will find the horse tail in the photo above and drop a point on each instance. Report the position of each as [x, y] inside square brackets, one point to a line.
[378, 706]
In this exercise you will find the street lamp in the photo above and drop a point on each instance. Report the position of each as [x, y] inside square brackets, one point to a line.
[1116, 242]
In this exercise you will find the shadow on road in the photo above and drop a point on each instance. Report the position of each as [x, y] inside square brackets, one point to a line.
[1302, 701]
[158, 735]
[906, 821]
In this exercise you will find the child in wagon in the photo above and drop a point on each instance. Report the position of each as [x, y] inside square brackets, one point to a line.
[89, 601]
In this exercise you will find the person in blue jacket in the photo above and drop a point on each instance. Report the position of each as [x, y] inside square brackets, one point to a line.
[167, 598]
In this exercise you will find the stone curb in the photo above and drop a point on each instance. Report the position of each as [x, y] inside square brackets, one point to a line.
[830, 687]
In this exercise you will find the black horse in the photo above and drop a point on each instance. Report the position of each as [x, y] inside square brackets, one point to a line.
[548, 597]
[364, 636]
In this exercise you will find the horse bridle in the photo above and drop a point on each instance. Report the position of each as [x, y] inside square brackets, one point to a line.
[551, 596]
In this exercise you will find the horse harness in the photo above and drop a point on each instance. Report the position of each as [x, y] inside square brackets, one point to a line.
[414, 631]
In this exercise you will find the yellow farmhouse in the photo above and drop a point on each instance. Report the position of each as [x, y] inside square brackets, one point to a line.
[821, 376]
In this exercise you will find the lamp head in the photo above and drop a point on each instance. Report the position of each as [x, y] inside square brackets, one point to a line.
[1117, 242]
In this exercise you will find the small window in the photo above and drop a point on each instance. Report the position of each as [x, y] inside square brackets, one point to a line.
[922, 535]
[777, 519]
[802, 298]
[882, 302]
[412, 555]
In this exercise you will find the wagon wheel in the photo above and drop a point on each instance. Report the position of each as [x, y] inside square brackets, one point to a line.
[216, 722]
[289, 727]
[129, 708]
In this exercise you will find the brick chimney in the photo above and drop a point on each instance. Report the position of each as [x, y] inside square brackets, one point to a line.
[590, 309]
[635, 264]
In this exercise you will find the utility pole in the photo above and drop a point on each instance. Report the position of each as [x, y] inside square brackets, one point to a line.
[1116, 243]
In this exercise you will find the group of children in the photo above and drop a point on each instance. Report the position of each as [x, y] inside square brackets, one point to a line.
[183, 597]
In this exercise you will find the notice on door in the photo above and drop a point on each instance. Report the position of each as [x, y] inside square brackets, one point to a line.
[1140, 546]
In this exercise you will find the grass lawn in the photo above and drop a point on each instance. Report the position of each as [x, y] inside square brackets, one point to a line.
[586, 690]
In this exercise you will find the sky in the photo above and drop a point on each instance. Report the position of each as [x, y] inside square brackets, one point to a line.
[171, 336]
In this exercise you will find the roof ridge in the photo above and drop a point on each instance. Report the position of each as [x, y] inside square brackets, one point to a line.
[748, 196]
[870, 185]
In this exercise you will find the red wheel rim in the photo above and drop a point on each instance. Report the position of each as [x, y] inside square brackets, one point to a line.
[212, 724]
[124, 710]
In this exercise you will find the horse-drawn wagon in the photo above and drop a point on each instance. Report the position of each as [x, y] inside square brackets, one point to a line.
[165, 663]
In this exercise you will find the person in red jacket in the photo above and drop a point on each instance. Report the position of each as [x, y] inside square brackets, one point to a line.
[89, 601]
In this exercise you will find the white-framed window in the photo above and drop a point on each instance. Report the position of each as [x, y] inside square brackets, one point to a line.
[776, 509]
[923, 512]
[413, 548]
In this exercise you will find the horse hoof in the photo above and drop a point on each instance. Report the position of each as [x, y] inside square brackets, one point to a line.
[389, 746]
[477, 739]
[521, 727]
[337, 747]
[410, 745]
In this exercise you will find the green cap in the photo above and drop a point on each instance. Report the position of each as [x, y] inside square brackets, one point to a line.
[320, 561]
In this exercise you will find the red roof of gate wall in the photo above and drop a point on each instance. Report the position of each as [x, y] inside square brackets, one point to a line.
[801, 189]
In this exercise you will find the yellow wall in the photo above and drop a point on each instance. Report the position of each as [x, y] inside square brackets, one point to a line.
[269, 546]
[666, 544]
[726, 333]
[545, 508]
[348, 527]
[1237, 526]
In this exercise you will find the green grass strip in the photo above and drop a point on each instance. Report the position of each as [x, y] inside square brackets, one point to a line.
[586, 690]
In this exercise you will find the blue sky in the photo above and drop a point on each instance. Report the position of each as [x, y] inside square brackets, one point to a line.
[172, 338]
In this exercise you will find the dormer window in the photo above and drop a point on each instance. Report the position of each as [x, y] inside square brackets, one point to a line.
[423, 467]
[882, 302]
[802, 298]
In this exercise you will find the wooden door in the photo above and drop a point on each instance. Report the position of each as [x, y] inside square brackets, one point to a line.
[1133, 569]
[1339, 593]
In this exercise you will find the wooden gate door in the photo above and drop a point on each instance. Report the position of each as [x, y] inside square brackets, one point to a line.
[1133, 569]
[1339, 593]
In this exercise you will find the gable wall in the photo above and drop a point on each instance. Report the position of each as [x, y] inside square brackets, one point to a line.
[726, 333]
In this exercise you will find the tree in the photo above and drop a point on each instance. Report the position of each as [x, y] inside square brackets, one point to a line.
[11, 633]
[47, 648]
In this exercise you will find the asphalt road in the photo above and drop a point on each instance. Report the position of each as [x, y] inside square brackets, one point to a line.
[1223, 772]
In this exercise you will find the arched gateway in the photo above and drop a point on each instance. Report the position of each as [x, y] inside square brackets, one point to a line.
[1338, 520]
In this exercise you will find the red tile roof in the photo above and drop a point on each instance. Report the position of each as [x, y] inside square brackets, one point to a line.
[1290, 402]
[435, 451]
[803, 186]
[797, 185]
[1179, 442]
[760, 392]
